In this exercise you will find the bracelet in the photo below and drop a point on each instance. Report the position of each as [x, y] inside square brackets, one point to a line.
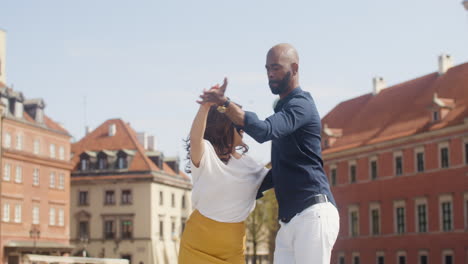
[223, 108]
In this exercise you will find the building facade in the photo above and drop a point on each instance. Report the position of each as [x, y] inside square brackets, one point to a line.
[35, 177]
[127, 200]
[397, 161]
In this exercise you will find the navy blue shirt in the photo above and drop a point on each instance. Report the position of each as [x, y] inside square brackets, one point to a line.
[297, 168]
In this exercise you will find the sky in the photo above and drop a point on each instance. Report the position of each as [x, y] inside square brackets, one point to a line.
[147, 61]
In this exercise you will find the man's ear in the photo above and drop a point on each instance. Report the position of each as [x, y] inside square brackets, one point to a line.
[295, 68]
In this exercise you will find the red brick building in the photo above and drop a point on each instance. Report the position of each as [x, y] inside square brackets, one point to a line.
[35, 180]
[397, 160]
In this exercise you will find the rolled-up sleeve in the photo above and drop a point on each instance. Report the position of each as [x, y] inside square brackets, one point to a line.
[287, 120]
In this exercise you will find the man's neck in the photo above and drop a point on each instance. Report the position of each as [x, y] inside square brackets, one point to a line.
[291, 88]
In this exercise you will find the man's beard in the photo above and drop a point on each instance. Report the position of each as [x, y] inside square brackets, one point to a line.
[281, 85]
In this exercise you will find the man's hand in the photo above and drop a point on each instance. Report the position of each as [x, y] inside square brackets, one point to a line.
[215, 95]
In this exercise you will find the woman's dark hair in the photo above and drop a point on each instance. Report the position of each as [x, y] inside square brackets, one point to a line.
[220, 133]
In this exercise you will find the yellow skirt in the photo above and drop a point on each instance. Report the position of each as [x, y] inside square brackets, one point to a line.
[207, 241]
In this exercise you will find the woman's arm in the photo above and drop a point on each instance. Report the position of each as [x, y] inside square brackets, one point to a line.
[196, 134]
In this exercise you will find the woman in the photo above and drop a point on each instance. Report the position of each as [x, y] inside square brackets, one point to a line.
[225, 184]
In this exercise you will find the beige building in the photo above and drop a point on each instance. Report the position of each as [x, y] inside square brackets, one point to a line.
[127, 200]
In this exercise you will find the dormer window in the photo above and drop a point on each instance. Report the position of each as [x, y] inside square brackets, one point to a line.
[102, 161]
[441, 107]
[84, 164]
[85, 160]
[122, 161]
[330, 135]
[435, 116]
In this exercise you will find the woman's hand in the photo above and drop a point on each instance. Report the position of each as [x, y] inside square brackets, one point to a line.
[215, 95]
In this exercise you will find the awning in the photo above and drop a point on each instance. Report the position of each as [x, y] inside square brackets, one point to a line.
[38, 244]
[29, 258]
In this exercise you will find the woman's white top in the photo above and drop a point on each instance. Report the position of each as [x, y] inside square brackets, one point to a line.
[225, 192]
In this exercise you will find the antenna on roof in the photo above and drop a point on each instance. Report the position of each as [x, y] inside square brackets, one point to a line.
[85, 116]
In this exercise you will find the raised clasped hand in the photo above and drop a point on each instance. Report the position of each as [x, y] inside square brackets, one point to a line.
[215, 95]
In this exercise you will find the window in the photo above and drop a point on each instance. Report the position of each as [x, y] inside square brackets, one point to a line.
[161, 198]
[375, 221]
[353, 213]
[398, 165]
[7, 172]
[446, 216]
[373, 169]
[19, 174]
[61, 153]
[422, 217]
[420, 161]
[36, 146]
[19, 142]
[122, 162]
[341, 260]
[126, 197]
[61, 217]
[423, 259]
[447, 256]
[109, 198]
[444, 157]
[84, 164]
[35, 214]
[7, 143]
[400, 226]
[466, 153]
[183, 220]
[102, 162]
[161, 229]
[173, 228]
[173, 200]
[380, 257]
[36, 177]
[61, 183]
[352, 173]
[52, 216]
[127, 228]
[401, 259]
[6, 212]
[83, 229]
[129, 258]
[52, 180]
[183, 201]
[18, 212]
[83, 198]
[109, 229]
[333, 175]
[356, 258]
[435, 116]
[52, 151]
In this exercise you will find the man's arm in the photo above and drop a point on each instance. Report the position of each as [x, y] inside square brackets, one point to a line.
[267, 184]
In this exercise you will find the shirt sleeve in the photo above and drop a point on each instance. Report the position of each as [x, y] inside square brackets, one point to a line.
[267, 184]
[196, 171]
[291, 117]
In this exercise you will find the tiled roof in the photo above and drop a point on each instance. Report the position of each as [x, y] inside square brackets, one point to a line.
[49, 123]
[400, 110]
[124, 138]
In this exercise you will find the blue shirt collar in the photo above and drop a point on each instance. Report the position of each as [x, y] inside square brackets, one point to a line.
[288, 97]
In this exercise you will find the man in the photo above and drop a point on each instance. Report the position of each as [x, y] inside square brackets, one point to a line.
[307, 211]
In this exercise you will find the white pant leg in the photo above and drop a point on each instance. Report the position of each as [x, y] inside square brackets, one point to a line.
[315, 234]
[284, 252]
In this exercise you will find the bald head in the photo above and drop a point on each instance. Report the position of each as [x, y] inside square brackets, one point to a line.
[282, 65]
[285, 52]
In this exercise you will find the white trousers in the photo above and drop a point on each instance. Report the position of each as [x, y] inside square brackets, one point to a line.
[309, 237]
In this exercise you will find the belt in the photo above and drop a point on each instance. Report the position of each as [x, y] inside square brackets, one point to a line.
[320, 198]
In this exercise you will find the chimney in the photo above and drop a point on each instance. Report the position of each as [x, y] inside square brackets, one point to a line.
[379, 85]
[112, 130]
[143, 139]
[151, 143]
[445, 63]
[2, 56]
[87, 130]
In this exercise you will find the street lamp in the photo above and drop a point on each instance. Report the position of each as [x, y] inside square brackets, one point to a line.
[34, 233]
[465, 4]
